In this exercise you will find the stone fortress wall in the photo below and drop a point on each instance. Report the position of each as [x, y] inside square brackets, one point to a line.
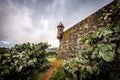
[70, 43]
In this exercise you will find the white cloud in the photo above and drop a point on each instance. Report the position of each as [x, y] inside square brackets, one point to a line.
[5, 42]
[18, 20]
[22, 29]
[43, 23]
[26, 23]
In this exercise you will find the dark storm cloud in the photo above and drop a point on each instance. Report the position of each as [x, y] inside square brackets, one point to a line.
[36, 20]
[3, 18]
[39, 6]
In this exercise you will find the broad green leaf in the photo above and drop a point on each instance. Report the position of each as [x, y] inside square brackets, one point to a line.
[118, 49]
[106, 52]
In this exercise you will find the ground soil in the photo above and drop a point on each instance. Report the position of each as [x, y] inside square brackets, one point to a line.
[48, 73]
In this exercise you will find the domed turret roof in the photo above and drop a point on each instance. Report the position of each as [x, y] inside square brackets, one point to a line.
[60, 25]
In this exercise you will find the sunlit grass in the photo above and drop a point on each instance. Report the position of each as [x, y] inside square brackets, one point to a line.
[51, 59]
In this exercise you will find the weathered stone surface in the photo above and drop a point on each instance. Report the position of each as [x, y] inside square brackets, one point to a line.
[70, 44]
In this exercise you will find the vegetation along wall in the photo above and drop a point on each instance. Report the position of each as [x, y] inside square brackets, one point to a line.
[71, 44]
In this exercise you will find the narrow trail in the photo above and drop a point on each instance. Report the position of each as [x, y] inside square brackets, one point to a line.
[48, 73]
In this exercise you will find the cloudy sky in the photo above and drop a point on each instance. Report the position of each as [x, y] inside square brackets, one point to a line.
[36, 20]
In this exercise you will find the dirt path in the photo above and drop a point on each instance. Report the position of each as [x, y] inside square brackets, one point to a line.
[49, 72]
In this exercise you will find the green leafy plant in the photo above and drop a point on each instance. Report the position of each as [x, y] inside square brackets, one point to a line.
[100, 58]
[58, 74]
[22, 60]
[106, 52]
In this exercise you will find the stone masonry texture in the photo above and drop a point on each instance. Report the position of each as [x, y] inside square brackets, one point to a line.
[70, 44]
